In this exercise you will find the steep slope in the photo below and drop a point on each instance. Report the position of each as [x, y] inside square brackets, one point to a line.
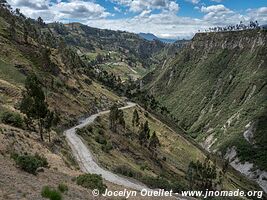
[216, 88]
[151, 37]
[27, 47]
[73, 89]
[122, 53]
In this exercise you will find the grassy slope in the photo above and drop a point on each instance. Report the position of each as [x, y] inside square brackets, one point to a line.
[90, 42]
[212, 86]
[127, 151]
[70, 94]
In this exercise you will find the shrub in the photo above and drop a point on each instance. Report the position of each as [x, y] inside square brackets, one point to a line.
[30, 163]
[100, 139]
[107, 147]
[12, 118]
[156, 182]
[126, 171]
[163, 183]
[51, 193]
[144, 166]
[62, 187]
[88, 81]
[91, 181]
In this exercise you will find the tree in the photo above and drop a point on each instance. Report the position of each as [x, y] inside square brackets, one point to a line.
[99, 58]
[116, 118]
[3, 3]
[144, 134]
[40, 21]
[34, 105]
[154, 143]
[12, 30]
[52, 119]
[202, 176]
[225, 166]
[135, 119]
[25, 31]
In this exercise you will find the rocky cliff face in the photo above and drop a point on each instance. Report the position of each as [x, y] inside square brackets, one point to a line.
[217, 88]
[229, 40]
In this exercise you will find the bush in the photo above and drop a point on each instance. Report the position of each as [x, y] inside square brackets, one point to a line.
[144, 166]
[30, 163]
[164, 183]
[157, 182]
[62, 187]
[126, 171]
[100, 139]
[107, 147]
[12, 118]
[51, 193]
[91, 181]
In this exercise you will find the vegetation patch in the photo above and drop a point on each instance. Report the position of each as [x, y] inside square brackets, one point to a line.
[51, 193]
[12, 118]
[63, 187]
[91, 181]
[30, 163]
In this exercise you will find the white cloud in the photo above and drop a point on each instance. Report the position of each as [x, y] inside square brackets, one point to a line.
[163, 24]
[60, 11]
[37, 5]
[193, 1]
[218, 1]
[259, 14]
[141, 5]
[145, 13]
[214, 8]
[219, 15]
[117, 9]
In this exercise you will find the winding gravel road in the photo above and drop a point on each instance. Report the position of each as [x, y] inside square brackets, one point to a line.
[85, 158]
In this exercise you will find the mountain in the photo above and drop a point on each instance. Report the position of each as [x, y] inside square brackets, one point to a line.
[216, 89]
[53, 76]
[151, 37]
[118, 52]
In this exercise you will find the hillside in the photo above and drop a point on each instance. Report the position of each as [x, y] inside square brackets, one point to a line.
[151, 37]
[216, 89]
[53, 76]
[166, 167]
[122, 53]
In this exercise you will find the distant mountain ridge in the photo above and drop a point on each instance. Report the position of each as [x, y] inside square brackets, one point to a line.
[151, 37]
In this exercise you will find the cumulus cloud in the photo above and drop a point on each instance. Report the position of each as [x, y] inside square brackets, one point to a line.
[215, 8]
[79, 10]
[193, 1]
[259, 14]
[37, 5]
[164, 23]
[220, 15]
[60, 11]
[141, 5]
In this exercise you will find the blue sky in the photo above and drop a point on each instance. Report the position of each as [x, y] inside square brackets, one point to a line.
[165, 18]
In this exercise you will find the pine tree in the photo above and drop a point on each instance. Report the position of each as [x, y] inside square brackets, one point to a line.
[116, 118]
[146, 130]
[25, 31]
[135, 119]
[144, 134]
[154, 144]
[40, 21]
[12, 30]
[52, 119]
[33, 103]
